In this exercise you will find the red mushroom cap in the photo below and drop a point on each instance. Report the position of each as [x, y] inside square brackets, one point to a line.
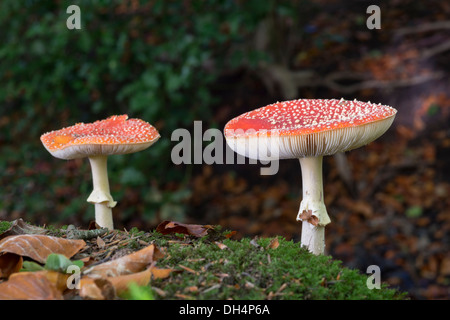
[311, 127]
[114, 135]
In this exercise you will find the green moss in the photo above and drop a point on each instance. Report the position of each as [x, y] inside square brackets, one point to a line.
[250, 270]
[4, 225]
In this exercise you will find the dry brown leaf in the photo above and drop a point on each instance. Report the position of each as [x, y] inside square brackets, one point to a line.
[9, 264]
[161, 273]
[21, 227]
[131, 263]
[220, 245]
[39, 247]
[96, 289]
[171, 227]
[29, 286]
[121, 283]
[230, 234]
[307, 215]
[274, 243]
[100, 243]
[58, 279]
[91, 288]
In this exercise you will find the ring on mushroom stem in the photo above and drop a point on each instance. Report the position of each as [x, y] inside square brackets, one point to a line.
[96, 141]
[308, 129]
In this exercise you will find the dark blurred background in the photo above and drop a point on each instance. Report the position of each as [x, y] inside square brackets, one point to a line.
[174, 62]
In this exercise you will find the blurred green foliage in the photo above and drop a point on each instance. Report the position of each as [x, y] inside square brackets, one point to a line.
[154, 60]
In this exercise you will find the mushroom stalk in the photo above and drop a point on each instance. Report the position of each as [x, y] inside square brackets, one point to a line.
[100, 195]
[313, 212]
[103, 216]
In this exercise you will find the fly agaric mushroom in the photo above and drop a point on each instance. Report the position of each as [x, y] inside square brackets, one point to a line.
[96, 141]
[308, 129]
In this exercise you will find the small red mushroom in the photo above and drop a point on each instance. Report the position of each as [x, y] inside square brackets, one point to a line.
[308, 129]
[96, 141]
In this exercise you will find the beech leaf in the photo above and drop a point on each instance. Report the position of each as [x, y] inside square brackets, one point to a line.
[91, 288]
[9, 264]
[29, 286]
[307, 215]
[131, 263]
[21, 227]
[39, 247]
[172, 227]
[97, 289]
[274, 243]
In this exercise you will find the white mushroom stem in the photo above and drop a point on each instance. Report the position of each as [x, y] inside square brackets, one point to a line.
[103, 216]
[101, 195]
[313, 212]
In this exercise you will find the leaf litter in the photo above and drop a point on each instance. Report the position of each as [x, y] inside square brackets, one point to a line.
[187, 262]
[110, 260]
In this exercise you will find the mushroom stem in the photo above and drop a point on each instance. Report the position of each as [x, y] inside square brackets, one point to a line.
[312, 211]
[100, 195]
[103, 216]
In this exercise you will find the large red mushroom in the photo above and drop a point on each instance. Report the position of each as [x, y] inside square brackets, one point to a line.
[308, 129]
[96, 141]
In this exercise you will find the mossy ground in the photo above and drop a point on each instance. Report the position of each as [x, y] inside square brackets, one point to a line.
[4, 225]
[217, 267]
[249, 269]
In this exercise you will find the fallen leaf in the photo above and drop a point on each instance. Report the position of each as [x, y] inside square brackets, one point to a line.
[274, 243]
[307, 215]
[58, 279]
[9, 264]
[131, 263]
[171, 227]
[96, 289]
[29, 286]
[161, 273]
[93, 225]
[100, 243]
[21, 227]
[39, 247]
[230, 234]
[220, 245]
[122, 283]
